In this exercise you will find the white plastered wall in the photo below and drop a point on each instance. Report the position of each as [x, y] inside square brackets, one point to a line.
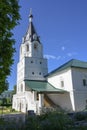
[80, 91]
[66, 100]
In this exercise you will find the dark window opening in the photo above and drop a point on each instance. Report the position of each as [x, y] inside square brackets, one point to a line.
[27, 47]
[31, 61]
[33, 73]
[40, 73]
[35, 46]
[84, 82]
[37, 96]
[62, 83]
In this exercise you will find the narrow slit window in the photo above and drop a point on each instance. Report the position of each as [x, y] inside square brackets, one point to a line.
[33, 73]
[31, 61]
[84, 82]
[37, 96]
[39, 73]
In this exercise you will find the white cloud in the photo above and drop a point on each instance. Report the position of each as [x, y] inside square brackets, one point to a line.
[59, 57]
[71, 54]
[52, 57]
[62, 48]
[49, 56]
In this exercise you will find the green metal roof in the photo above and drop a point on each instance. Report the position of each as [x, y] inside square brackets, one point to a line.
[72, 63]
[42, 86]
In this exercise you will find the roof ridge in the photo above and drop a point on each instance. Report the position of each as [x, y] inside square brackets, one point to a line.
[70, 63]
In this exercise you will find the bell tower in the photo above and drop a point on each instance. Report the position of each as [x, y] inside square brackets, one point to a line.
[32, 65]
[31, 45]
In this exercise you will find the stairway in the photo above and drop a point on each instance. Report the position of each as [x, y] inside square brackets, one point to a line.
[49, 103]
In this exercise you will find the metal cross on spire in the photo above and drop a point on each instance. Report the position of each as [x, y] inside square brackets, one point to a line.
[30, 15]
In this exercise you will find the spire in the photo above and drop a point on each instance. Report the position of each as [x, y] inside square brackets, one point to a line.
[30, 15]
[31, 29]
[31, 32]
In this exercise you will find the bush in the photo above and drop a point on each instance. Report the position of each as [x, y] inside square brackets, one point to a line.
[49, 121]
[80, 116]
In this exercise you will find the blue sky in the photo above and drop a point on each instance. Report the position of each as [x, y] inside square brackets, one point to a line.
[62, 27]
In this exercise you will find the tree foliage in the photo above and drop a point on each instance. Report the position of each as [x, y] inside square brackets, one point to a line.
[9, 17]
[3, 85]
[14, 90]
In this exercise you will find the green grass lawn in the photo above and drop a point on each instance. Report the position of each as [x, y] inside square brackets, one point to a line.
[7, 110]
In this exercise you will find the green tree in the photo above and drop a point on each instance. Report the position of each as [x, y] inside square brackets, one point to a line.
[14, 90]
[4, 101]
[4, 85]
[9, 17]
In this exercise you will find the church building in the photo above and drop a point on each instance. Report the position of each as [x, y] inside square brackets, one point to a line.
[64, 87]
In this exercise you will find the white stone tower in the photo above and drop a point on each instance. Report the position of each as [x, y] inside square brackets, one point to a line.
[32, 65]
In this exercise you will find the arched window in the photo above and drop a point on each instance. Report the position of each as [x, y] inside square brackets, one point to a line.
[21, 87]
[27, 47]
[35, 46]
[62, 83]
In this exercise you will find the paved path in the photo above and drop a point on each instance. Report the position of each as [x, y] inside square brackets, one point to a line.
[14, 116]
